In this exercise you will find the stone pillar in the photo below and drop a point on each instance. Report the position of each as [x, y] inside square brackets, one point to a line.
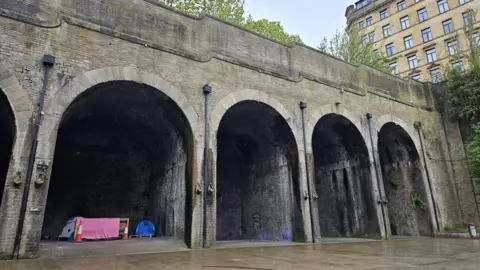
[377, 177]
[11, 199]
[39, 185]
[303, 196]
[197, 196]
[10, 204]
[315, 199]
[211, 198]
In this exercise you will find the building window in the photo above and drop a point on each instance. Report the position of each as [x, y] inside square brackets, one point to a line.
[394, 68]
[427, 34]
[383, 14]
[431, 55]
[390, 49]
[401, 5]
[361, 24]
[404, 22]
[369, 21]
[461, 2]
[375, 52]
[452, 47]
[459, 65]
[475, 39]
[361, 4]
[412, 62]
[468, 17]
[387, 30]
[416, 77]
[371, 36]
[442, 6]
[447, 26]
[436, 75]
[364, 40]
[408, 42]
[422, 14]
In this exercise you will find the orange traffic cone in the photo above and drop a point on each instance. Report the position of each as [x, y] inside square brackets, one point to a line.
[125, 232]
[78, 236]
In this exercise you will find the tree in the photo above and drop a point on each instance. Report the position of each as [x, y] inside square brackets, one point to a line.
[351, 46]
[473, 151]
[233, 11]
[271, 29]
[461, 94]
[228, 10]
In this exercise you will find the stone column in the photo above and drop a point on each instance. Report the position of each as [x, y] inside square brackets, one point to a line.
[11, 202]
[383, 220]
[304, 196]
[11, 198]
[40, 182]
[197, 196]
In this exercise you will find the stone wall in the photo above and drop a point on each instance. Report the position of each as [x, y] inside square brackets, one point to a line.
[342, 176]
[255, 178]
[98, 41]
[404, 189]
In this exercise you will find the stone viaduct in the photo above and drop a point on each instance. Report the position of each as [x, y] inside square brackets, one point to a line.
[124, 131]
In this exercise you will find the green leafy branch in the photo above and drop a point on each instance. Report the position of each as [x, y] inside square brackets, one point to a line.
[416, 201]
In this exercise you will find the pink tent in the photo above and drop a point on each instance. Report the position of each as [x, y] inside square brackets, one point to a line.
[100, 228]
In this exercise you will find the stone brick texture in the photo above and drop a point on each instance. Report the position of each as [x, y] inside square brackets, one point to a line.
[404, 189]
[96, 41]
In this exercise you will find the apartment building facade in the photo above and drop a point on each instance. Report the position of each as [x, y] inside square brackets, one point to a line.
[421, 37]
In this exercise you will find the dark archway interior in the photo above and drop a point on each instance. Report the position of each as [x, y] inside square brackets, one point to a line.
[342, 180]
[122, 151]
[257, 176]
[402, 178]
[7, 133]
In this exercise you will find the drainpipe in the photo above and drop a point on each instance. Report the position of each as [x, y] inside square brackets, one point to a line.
[382, 200]
[48, 62]
[303, 106]
[206, 90]
[418, 126]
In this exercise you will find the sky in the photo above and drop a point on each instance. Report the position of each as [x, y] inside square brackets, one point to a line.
[311, 19]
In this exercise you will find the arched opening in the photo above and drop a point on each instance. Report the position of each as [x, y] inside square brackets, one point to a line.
[123, 150]
[402, 177]
[257, 176]
[342, 180]
[7, 134]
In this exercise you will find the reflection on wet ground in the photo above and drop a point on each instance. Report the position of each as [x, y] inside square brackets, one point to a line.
[421, 253]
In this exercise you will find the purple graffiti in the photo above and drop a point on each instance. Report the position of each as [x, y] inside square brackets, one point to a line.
[265, 235]
[287, 236]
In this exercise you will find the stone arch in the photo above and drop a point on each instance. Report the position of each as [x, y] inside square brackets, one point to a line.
[257, 163]
[22, 110]
[254, 95]
[343, 174]
[390, 118]
[67, 94]
[313, 118]
[421, 226]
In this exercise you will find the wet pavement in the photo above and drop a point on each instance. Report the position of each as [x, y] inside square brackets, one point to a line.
[420, 253]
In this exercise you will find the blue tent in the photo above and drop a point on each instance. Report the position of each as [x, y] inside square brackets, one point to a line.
[145, 227]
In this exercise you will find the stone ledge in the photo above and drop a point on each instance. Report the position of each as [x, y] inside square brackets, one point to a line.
[455, 235]
[205, 37]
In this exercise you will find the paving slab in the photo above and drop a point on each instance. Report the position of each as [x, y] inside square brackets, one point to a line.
[411, 253]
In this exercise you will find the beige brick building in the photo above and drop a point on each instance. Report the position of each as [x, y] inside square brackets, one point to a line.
[421, 37]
